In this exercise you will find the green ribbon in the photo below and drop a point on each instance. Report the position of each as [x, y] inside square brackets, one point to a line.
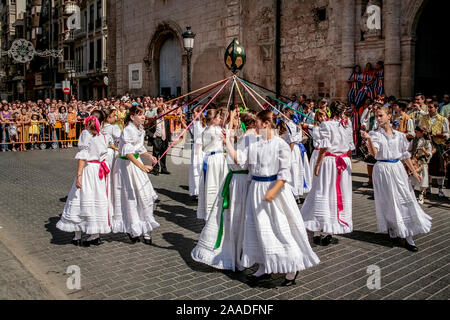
[136, 155]
[226, 202]
[243, 127]
[274, 98]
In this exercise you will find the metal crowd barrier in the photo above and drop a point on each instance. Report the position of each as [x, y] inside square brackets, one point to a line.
[41, 134]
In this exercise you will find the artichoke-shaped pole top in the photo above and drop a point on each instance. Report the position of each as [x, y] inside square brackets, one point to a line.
[234, 57]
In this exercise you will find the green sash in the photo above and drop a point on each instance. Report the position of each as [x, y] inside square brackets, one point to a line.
[136, 155]
[226, 202]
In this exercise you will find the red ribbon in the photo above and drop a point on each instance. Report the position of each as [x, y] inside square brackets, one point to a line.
[104, 170]
[341, 166]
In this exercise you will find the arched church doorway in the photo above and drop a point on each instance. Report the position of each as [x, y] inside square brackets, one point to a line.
[432, 68]
[170, 67]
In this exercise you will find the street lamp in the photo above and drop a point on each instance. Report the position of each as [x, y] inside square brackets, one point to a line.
[188, 41]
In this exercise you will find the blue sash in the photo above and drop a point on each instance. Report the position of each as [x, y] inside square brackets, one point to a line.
[205, 163]
[265, 179]
[303, 152]
[389, 161]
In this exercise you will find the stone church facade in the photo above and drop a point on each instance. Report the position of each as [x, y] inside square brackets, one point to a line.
[302, 46]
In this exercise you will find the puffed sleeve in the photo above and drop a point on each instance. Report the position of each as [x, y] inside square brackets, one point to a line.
[404, 147]
[324, 135]
[284, 162]
[83, 145]
[375, 137]
[128, 140]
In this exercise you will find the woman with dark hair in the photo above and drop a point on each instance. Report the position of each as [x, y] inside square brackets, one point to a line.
[86, 209]
[134, 196]
[328, 207]
[275, 237]
[379, 74]
[355, 84]
[368, 82]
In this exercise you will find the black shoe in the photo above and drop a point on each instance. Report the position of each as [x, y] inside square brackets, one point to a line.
[154, 172]
[95, 242]
[394, 241]
[288, 283]
[133, 240]
[325, 241]
[316, 240]
[77, 243]
[410, 247]
[165, 172]
[148, 241]
[265, 276]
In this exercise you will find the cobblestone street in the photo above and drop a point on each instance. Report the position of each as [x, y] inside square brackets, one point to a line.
[34, 255]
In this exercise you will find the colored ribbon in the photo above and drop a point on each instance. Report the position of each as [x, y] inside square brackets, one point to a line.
[205, 163]
[136, 155]
[265, 179]
[103, 170]
[97, 123]
[226, 202]
[243, 127]
[390, 161]
[303, 152]
[341, 166]
[240, 94]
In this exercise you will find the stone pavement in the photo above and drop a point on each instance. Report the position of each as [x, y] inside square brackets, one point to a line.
[34, 255]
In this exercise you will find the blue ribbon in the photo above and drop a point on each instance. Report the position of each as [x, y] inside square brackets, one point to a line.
[265, 179]
[303, 152]
[390, 161]
[205, 113]
[296, 118]
[205, 163]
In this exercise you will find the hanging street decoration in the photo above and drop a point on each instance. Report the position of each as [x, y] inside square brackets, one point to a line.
[234, 57]
[23, 51]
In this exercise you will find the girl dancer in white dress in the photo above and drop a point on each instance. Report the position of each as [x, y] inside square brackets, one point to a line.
[214, 166]
[113, 133]
[86, 208]
[398, 212]
[301, 177]
[328, 207]
[197, 155]
[134, 196]
[220, 243]
[319, 117]
[274, 237]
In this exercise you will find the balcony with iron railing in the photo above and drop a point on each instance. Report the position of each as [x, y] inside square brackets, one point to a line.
[67, 36]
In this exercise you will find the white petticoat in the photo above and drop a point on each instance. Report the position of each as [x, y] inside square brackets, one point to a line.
[134, 199]
[86, 209]
[395, 202]
[195, 169]
[274, 233]
[227, 256]
[215, 175]
[320, 208]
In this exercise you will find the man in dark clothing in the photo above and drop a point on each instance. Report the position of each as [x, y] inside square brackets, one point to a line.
[161, 139]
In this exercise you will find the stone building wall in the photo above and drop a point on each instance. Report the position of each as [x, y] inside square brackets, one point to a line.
[317, 55]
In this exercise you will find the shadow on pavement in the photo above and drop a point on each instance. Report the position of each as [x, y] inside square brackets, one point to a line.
[370, 237]
[181, 216]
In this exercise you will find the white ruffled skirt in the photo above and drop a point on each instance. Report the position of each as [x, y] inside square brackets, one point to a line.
[134, 199]
[320, 208]
[216, 172]
[227, 256]
[86, 209]
[274, 233]
[395, 202]
[195, 169]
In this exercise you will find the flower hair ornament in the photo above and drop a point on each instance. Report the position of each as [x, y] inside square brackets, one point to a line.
[97, 123]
